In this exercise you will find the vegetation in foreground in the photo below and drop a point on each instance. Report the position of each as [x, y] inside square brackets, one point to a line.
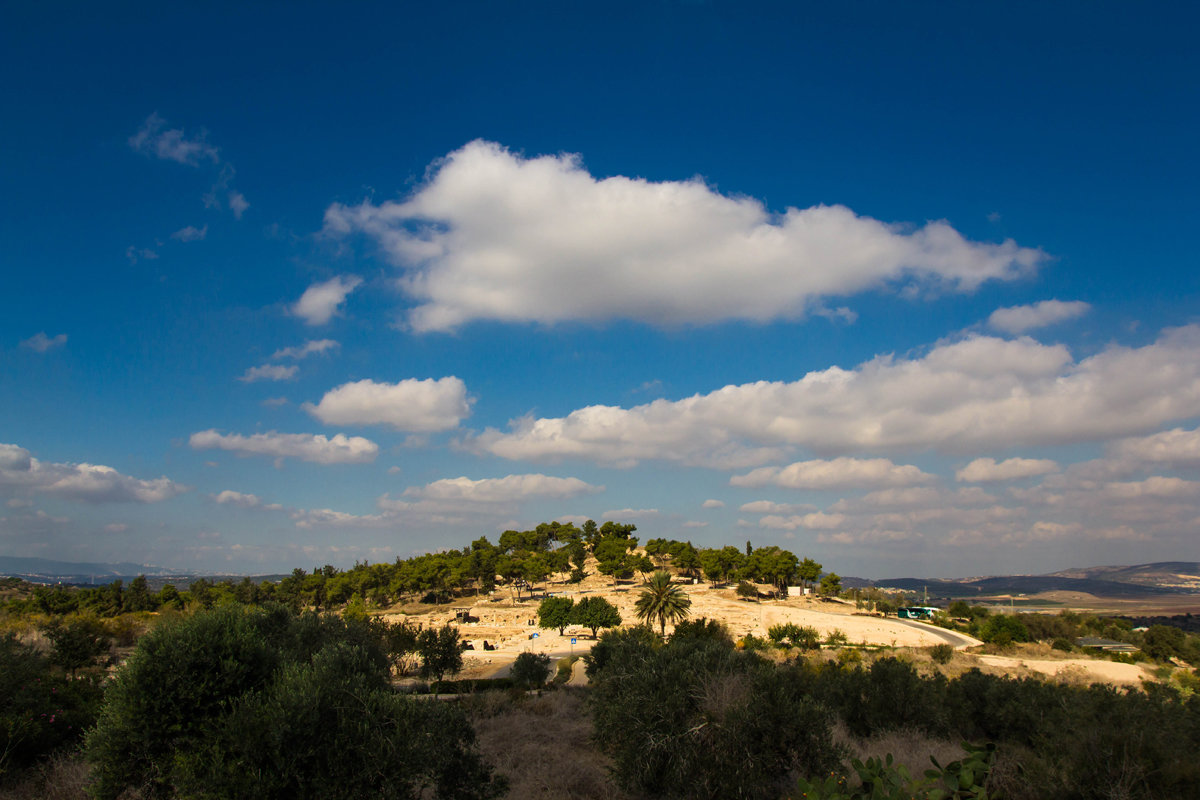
[697, 716]
[264, 703]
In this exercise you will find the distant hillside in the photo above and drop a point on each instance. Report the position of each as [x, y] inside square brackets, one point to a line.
[1174, 574]
[1168, 577]
[45, 570]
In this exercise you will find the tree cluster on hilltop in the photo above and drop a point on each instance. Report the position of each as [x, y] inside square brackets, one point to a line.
[517, 562]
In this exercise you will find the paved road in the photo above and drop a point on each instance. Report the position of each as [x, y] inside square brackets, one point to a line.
[960, 640]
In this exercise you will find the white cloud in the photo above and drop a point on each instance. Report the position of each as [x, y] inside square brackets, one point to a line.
[492, 235]
[1177, 447]
[629, 513]
[410, 405]
[269, 372]
[232, 498]
[839, 314]
[509, 489]
[987, 469]
[326, 517]
[817, 520]
[172, 144]
[320, 301]
[339, 449]
[238, 204]
[317, 346]
[1019, 319]
[769, 507]
[190, 234]
[93, 483]
[40, 342]
[1154, 486]
[710, 503]
[134, 254]
[840, 473]
[116, 527]
[980, 392]
[275, 402]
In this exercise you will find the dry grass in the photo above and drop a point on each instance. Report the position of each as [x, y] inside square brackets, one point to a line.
[63, 777]
[912, 749]
[542, 745]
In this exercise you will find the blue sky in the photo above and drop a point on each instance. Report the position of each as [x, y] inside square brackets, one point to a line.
[907, 288]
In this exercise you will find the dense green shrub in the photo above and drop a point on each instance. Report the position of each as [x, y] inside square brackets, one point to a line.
[698, 718]
[530, 670]
[613, 646]
[238, 702]
[701, 628]
[881, 779]
[941, 653]
[41, 712]
[790, 634]
[1001, 629]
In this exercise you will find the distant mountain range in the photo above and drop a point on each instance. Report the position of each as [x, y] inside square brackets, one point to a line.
[45, 570]
[1166, 577]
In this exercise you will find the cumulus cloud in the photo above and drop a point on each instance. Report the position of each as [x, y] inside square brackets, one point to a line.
[241, 500]
[320, 301]
[629, 513]
[410, 405]
[1154, 486]
[817, 520]
[232, 498]
[134, 254]
[769, 507]
[492, 235]
[983, 470]
[238, 204]
[311, 347]
[40, 342]
[1019, 319]
[1177, 447]
[840, 473]
[269, 372]
[317, 448]
[190, 234]
[710, 503]
[962, 396]
[172, 144]
[510, 488]
[92, 483]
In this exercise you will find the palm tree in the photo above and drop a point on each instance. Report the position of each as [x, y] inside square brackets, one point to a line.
[662, 601]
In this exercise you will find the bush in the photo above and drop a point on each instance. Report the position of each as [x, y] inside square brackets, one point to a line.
[881, 779]
[40, 711]
[263, 703]
[789, 634]
[698, 718]
[836, 638]
[530, 670]
[941, 653]
[701, 628]
[1002, 630]
[615, 645]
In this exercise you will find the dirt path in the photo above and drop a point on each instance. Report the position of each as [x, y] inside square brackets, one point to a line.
[1085, 669]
